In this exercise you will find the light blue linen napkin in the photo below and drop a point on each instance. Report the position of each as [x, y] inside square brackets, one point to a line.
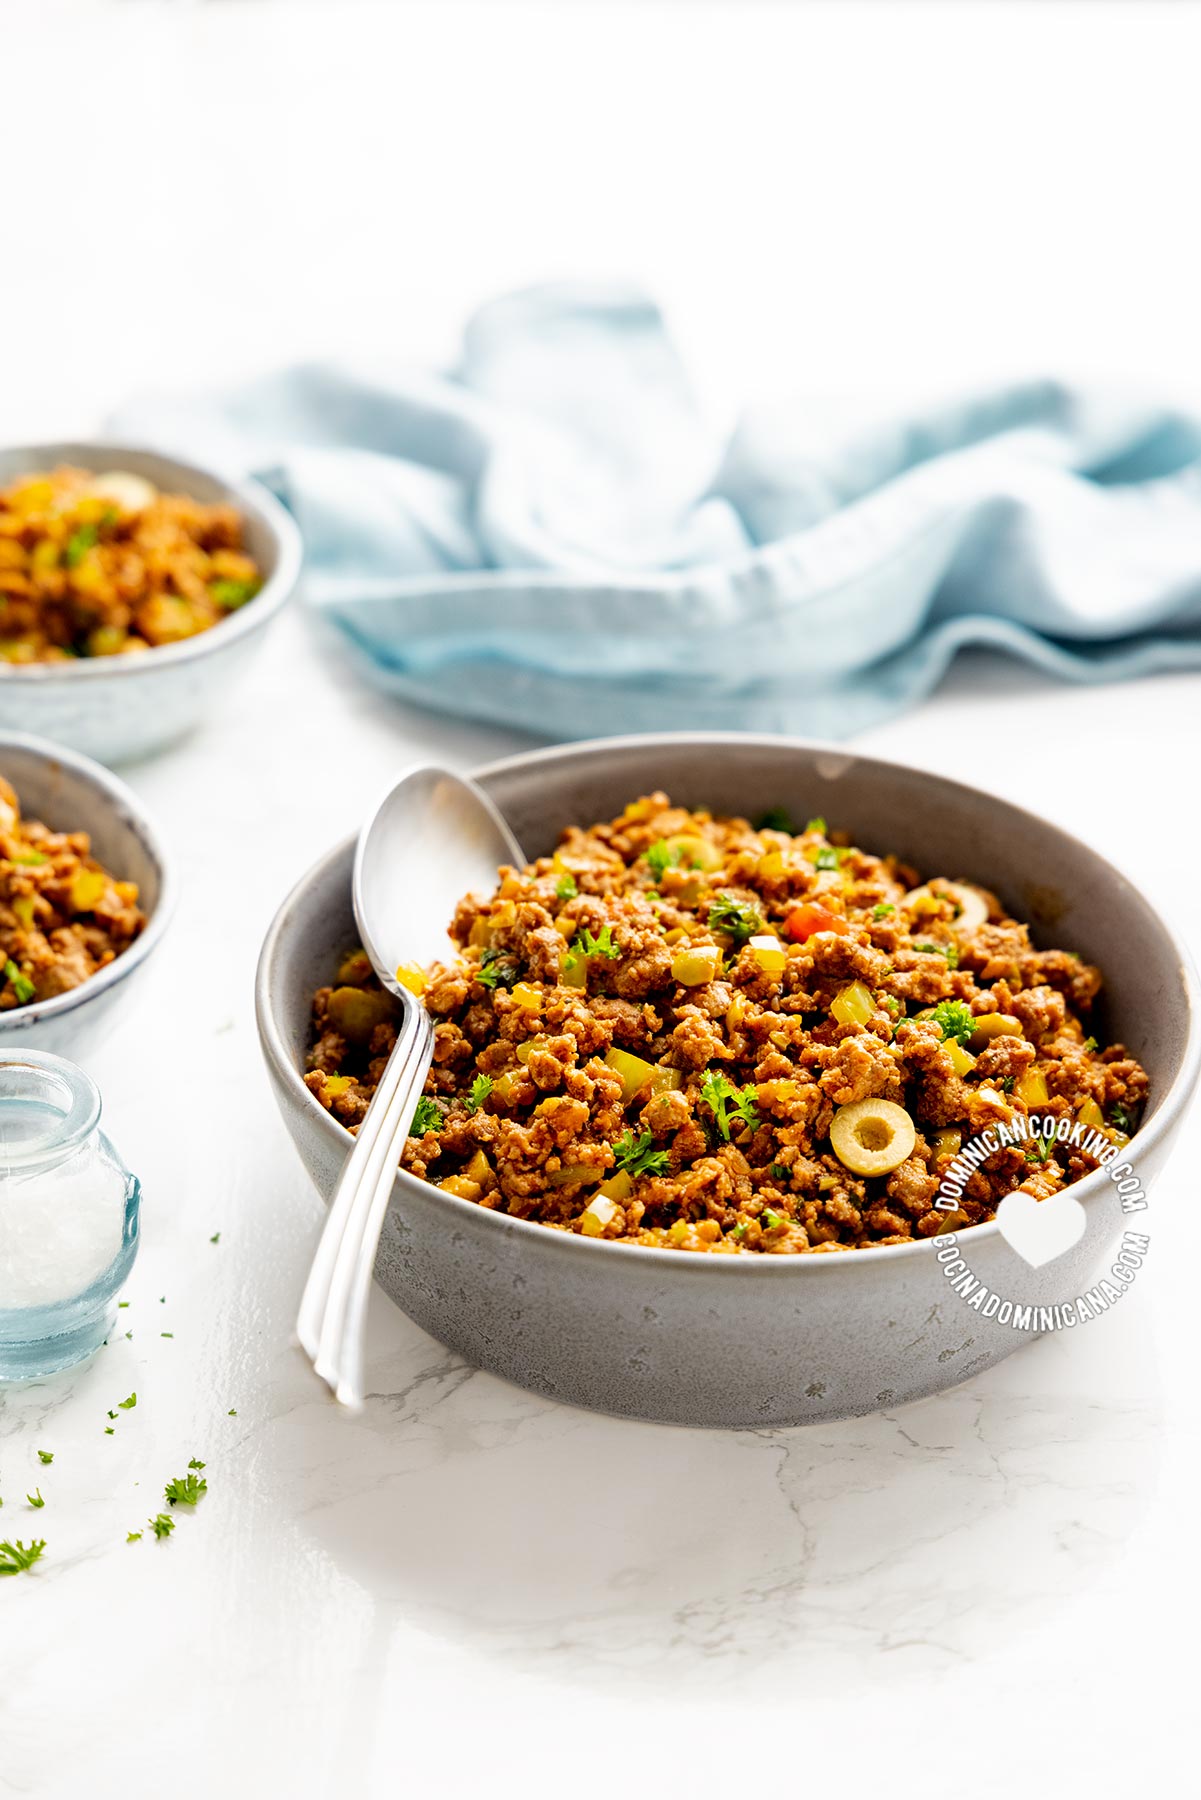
[555, 537]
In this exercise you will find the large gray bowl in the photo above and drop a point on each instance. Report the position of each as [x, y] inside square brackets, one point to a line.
[71, 793]
[120, 707]
[745, 1341]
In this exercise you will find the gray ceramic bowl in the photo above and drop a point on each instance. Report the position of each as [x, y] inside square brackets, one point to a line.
[745, 1341]
[71, 793]
[120, 707]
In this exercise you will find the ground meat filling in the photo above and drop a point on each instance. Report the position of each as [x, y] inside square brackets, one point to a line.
[687, 1032]
[62, 916]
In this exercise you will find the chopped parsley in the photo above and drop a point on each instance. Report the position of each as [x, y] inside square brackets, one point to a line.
[496, 970]
[830, 856]
[481, 1087]
[771, 1221]
[79, 543]
[954, 1020]
[22, 987]
[776, 818]
[1121, 1117]
[186, 1490]
[133, 1537]
[31, 859]
[1039, 1148]
[232, 594]
[736, 919]
[45, 1456]
[16, 1556]
[949, 952]
[883, 910]
[818, 825]
[162, 1525]
[428, 1117]
[727, 1103]
[565, 888]
[636, 1157]
[661, 857]
[601, 945]
[1089, 1045]
[779, 1172]
[35, 1499]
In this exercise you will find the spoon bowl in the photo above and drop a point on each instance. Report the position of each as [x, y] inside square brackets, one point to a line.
[431, 837]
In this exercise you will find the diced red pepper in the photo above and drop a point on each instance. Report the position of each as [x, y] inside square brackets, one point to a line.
[803, 921]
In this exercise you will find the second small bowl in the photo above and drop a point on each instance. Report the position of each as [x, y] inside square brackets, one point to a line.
[71, 793]
[117, 708]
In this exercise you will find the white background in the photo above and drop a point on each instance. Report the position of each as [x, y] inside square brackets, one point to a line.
[468, 1590]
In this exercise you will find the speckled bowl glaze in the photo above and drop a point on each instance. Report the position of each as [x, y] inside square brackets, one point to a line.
[746, 1341]
[71, 793]
[117, 708]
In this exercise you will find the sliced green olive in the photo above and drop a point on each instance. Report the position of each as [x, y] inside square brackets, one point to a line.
[872, 1137]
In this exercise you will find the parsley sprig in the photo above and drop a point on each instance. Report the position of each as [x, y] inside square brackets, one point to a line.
[496, 970]
[954, 1020]
[662, 856]
[736, 919]
[428, 1117]
[637, 1157]
[187, 1489]
[481, 1087]
[727, 1103]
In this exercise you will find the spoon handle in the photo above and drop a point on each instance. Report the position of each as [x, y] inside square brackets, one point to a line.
[334, 1304]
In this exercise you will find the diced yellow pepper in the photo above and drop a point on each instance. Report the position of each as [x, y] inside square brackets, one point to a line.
[1031, 1088]
[618, 1187]
[23, 910]
[461, 1187]
[526, 1050]
[598, 1214]
[635, 1071]
[571, 1173]
[355, 1012]
[336, 1085]
[574, 971]
[502, 1087]
[853, 1005]
[1090, 1115]
[695, 853]
[665, 1080]
[479, 1168]
[696, 964]
[988, 1026]
[770, 954]
[355, 969]
[948, 1143]
[87, 889]
[962, 1061]
[411, 976]
[526, 996]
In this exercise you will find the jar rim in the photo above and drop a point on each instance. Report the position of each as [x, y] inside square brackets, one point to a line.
[70, 1097]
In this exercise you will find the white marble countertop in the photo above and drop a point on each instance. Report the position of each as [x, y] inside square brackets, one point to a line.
[468, 1590]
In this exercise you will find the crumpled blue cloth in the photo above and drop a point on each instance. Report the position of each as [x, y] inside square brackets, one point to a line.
[555, 535]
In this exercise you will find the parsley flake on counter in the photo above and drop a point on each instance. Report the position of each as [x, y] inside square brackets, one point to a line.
[133, 1537]
[162, 1525]
[16, 1556]
[126, 1404]
[185, 1490]
[35, 1499]
[45, 1456]
[195, 1463]
[216, 1238]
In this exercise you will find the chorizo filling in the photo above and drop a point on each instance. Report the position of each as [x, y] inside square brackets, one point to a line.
[694, 1033]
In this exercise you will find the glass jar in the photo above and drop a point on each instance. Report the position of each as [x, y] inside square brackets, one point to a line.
[68, 1217]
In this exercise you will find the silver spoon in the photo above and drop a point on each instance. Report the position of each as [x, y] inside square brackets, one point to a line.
[432, 838]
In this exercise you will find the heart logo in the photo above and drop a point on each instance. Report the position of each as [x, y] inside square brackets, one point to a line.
[1040, 1230]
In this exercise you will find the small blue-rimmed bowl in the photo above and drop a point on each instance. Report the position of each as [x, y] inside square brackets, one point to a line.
[68, 1217]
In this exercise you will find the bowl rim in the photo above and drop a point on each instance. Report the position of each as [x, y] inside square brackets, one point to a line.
[571, 1243]
[111, 791]
[278, 587]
